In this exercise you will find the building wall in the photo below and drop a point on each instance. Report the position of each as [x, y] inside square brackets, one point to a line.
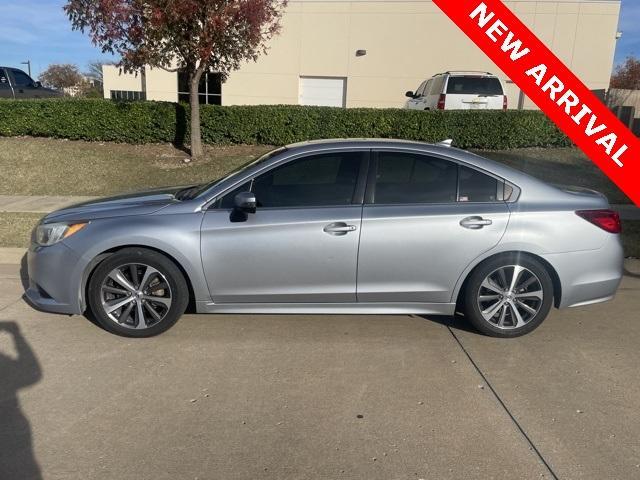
[406, 42]
[116, 80]
[161, 85]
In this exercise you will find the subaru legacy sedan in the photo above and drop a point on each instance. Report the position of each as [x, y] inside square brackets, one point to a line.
[334, 227]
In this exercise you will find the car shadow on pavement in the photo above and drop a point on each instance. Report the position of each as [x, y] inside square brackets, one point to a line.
[17, 460]
[456, 322]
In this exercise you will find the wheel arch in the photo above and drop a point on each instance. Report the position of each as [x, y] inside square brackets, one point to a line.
[555, 278]
[99, 258]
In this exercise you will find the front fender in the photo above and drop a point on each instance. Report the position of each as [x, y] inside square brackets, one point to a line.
[177, 236]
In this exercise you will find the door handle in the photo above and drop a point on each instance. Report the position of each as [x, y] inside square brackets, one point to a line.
[338, 228]
[475, 223]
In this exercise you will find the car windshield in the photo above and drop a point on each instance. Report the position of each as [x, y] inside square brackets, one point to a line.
[196, 190]
[474, 86]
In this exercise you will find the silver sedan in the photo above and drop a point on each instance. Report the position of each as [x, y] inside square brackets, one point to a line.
[334, 227]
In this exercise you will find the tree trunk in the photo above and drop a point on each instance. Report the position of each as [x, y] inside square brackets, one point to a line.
[194, 102]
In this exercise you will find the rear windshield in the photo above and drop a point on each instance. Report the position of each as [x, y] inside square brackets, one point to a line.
[474, 86]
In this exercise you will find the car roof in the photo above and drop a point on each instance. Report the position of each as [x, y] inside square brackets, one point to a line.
[470, 73]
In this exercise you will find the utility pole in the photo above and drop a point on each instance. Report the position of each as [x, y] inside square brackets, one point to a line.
[28, 64]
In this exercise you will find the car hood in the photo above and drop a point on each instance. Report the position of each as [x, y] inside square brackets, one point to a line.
[136, 203]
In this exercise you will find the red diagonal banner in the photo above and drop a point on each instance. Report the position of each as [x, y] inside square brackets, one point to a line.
[552, 86]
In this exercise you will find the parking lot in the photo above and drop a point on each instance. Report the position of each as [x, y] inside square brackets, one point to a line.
[292, 397]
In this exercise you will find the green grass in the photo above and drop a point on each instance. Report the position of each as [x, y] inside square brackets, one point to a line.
[15, 228]
[40, 166]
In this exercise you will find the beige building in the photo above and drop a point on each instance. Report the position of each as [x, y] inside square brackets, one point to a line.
[366, 53]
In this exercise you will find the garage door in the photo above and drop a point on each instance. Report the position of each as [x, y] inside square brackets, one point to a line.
[324, 91]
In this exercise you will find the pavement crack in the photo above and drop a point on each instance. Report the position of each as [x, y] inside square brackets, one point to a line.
[504, 406]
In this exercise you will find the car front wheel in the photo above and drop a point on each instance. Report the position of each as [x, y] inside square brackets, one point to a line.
[137, 292]
[508, 296]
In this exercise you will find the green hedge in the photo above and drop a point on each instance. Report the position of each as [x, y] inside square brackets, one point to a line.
[157, 122]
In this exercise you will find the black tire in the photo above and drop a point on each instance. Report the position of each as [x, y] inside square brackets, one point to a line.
[179, 292]
[473, 288]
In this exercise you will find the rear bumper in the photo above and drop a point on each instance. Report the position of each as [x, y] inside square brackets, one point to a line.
[589, 277]
[55, 276]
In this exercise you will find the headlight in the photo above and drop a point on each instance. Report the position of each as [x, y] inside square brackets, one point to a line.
[50, 233]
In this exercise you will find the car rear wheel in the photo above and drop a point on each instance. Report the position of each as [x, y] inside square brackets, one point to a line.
[508, 296]
[137, 293]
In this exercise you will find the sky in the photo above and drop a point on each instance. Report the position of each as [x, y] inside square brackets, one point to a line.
[39, 31]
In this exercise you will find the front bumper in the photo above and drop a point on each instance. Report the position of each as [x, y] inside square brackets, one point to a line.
[55, 279]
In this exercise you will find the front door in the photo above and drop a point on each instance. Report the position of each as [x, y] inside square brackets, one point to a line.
[23, 84]
[301, 245]
[425, 219]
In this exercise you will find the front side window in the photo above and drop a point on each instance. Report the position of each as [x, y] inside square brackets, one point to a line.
[22, 79]
[319, 180]
[420, 91]
[413, 178]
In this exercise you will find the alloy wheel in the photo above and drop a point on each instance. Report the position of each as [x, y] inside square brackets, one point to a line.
[510, 297]
[136, 296]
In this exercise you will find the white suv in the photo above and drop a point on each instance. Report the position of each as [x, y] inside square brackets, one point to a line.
[459, 91]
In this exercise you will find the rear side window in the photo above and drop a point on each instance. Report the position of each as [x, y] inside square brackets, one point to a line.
[476, 187]
[474, 86]
[412, 178]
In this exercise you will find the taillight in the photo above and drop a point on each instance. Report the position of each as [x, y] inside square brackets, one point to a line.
[505, 102]
[441, 101]
[605, 219]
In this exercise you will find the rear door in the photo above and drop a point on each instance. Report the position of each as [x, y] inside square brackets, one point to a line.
[474, 92]
[425, 219]
[23, 84]
[6, 91]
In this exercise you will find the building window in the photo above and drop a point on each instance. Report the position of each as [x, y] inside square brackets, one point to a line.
[128, 95]
[209, 90]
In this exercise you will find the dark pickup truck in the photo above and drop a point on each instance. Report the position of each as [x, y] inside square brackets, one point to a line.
[15, 83]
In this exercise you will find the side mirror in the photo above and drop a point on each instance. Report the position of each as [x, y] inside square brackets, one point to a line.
[245, 202]
[37, 84]
[409, 94]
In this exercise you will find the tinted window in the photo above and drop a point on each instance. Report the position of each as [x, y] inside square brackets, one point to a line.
[4, 81]
[318, 180]
[437, 86]
[228, 201]
[413, 178]
[474, 86]
[476, 187]
[21, 78]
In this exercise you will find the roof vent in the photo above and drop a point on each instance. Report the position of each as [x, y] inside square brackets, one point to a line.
[446, 143]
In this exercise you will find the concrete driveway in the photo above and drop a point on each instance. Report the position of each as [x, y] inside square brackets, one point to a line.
[331, 397]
